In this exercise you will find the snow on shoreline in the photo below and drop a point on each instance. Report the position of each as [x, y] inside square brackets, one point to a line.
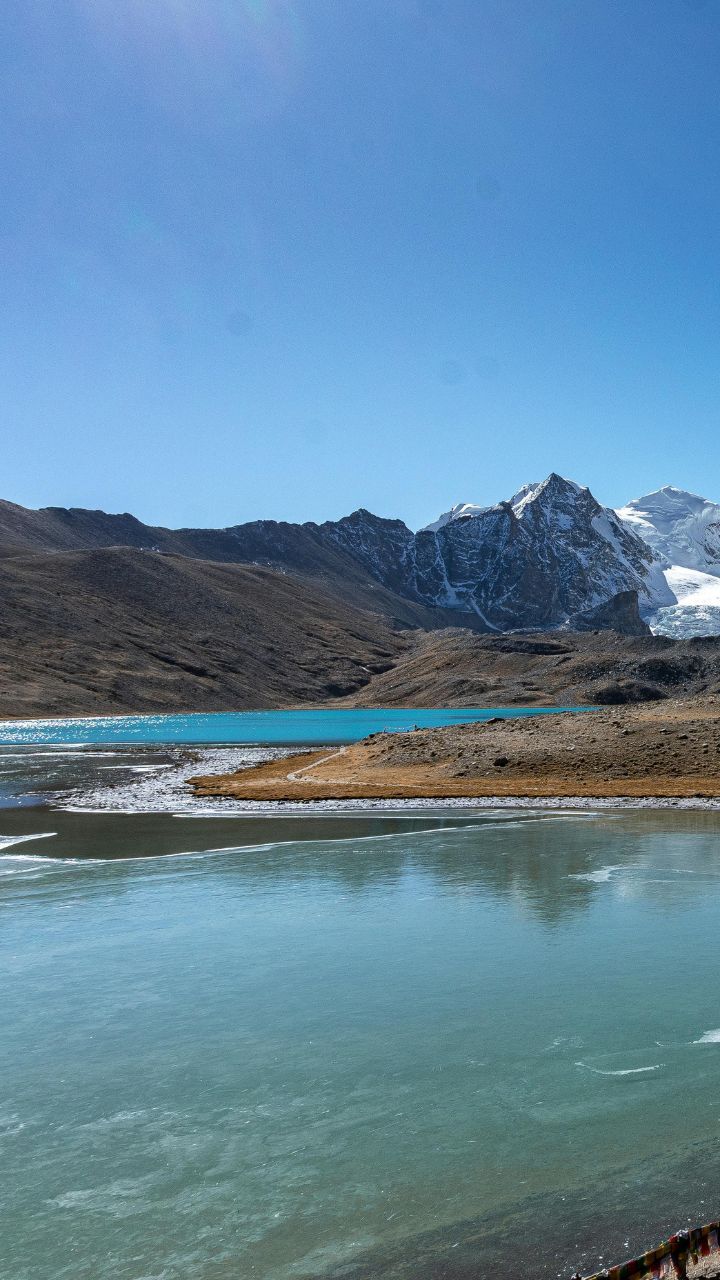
[161, 788]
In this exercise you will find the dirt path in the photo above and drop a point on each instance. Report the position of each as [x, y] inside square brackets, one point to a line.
[300, 775]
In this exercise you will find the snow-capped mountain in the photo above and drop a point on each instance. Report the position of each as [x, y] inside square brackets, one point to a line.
[682, 527]
[684, 530]
[570, 539]
[539, 560]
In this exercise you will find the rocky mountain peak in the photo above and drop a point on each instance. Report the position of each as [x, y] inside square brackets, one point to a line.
[554, 490]
[549, 553]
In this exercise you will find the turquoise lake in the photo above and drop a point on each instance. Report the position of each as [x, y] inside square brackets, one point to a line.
[440, 1043]
[306, 727]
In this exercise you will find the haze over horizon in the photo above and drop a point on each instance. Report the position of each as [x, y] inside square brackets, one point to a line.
[265, 259]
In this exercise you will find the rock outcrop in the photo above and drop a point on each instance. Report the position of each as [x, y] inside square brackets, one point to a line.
[620, 613]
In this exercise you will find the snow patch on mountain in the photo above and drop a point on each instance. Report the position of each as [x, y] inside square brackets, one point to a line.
[462, 511]
[693, 585]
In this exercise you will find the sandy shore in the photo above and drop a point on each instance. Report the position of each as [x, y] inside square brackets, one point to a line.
[655, 750]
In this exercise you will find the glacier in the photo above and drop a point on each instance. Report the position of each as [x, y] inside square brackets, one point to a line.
[684, 531]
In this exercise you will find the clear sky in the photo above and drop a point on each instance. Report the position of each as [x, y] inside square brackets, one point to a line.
[285, 258]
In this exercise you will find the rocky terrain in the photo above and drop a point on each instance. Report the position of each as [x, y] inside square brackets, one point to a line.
[538, 560]
[458, 668]
[667, 749]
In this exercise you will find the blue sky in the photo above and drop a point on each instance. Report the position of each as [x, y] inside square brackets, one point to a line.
[285, 258]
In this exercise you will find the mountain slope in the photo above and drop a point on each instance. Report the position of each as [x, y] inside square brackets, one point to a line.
[335, 556]
[124, 630]
[463, 668]
[327, 610]
[121, 630]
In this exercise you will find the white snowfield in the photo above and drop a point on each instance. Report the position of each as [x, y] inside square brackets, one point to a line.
[690, 584]
[681, 595]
